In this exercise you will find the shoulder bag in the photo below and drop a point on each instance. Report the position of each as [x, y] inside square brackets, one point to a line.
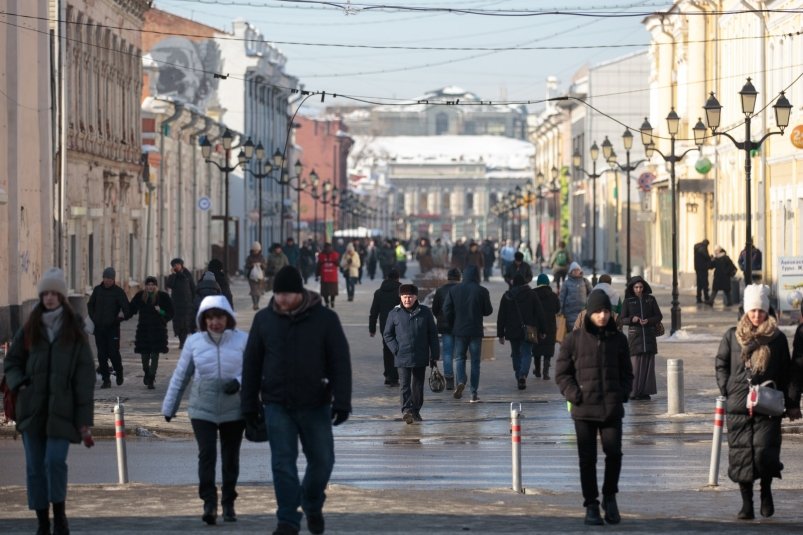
[765, 399]
[530, 332]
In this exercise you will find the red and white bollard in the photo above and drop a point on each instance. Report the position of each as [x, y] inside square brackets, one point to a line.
[716, 442]
[515, 439]
[119, 433]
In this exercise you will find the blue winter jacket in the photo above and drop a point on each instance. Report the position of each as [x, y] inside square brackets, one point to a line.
[466, 304]
[412, 337]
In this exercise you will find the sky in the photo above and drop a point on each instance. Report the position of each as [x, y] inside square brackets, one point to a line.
[599, 30]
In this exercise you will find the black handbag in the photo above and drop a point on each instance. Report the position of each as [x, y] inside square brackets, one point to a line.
[256, 430]
[530, 332]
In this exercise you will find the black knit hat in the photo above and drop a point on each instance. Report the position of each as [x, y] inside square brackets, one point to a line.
[408, 289]
[597, 300]
[288, 280]
[453, 274]
[151, 279]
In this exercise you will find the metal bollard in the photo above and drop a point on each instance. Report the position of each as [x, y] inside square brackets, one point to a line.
[716, 442]
[119, 433]
[515, 439]
[674, 386]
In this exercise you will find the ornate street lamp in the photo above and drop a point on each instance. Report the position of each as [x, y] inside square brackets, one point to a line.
[555, 190]
[713, 113]
[673, 125]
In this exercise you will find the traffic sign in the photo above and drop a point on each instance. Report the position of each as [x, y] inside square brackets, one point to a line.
[204, 204]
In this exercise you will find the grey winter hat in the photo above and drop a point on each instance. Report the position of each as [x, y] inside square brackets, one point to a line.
[109, 273]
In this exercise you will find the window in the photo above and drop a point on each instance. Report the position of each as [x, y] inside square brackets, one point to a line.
[423, 203]
[131, 249]
[446, 202]
[469, 201]
[441, 124]
[91, 257]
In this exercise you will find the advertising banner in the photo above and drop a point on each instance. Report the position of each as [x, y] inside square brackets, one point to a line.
[790, 282]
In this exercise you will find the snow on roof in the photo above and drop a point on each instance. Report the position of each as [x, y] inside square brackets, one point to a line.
[496, 152]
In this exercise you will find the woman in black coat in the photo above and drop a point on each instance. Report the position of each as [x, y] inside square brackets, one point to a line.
[640, 313]
[753, 352]
[155, 309]
[544, 350]
[594, 374]
[519, 308]
[724, 270]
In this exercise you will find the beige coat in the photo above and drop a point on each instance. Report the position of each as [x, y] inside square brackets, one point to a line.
[350, 263]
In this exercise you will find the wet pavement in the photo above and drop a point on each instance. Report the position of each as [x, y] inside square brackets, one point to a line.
[449, 474]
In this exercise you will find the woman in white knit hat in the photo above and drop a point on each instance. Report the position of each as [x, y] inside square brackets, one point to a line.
[751, 353]
[50, 366]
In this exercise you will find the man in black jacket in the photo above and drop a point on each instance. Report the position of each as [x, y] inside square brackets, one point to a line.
[519, 308]
[182, 292]
[385, 298]
[465, 306]
[444, 327]
[702, 263]
[107, 307]
[297, 363]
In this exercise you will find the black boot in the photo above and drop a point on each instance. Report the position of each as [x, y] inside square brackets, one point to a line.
[767, 505]
[746, 513]
[228, 513]
[43, 516]
[545, 371]
[210, 513]
[60, 526]
[611, 509]
[537, 366]
[593, 517]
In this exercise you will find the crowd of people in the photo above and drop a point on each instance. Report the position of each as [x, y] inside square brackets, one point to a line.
[290, 375]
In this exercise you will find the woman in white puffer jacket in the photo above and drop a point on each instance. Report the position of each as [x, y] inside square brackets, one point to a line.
[213, 359]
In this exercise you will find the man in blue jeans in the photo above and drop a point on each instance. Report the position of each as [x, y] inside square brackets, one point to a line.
[465, 306]
[444, 327]
[297, 363]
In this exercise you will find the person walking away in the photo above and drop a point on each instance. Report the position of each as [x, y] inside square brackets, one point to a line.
[702, 263]
[519, 308]
[488, 259]
[401, 257]
[518, 266]
[440, 254]
[559, 262]
[212, 359]
[724, 271]
[371, 259]
[475, 257]
[756, 256]
[107, 307]
[444, 326]
[350, 264]
[594, 374]
[255, 269]
[465, 306]
[155, 309]
[459, 255]
[752, 352]
[326, 271]
[291, 252]
[573, 294]
[412, 337]
[640, 314]
[385, 299]
[297, 364]
[544, 349]
[49, 365]
[276, 260]
[222, 279]
[362, 251]
[386, 258]
[206, 286]
[182, 293]
[423, 253]
[507, 255]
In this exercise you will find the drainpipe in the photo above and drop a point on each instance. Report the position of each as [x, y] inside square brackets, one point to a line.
[194, 144]
[162, 211]
[180, 195]
[61, 54]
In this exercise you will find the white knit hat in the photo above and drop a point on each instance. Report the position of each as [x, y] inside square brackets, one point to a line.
[52, 281]
[757, 296]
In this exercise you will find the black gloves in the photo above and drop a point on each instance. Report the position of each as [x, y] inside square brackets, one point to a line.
[339, 416]
[168, 418]
[231, 387]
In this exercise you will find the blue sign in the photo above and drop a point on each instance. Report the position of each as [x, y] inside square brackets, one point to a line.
[204, 204]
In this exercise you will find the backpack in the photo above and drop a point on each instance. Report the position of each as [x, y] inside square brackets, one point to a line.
[562, 258]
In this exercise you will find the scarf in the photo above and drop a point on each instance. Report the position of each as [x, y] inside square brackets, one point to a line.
[309, 300]
[754, 340]
[52, 320]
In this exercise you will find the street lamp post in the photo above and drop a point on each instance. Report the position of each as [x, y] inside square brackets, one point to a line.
[314, 180]
[713, 112]
[206, 151]
[259, 152]
[673, 125]
[627, 141]
[331, 193]
[577, 159]
[555, 189]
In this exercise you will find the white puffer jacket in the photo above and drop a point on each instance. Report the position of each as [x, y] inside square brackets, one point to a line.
[210, 365]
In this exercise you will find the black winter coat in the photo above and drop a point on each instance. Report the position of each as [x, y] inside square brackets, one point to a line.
[519, 305]
[523, 268]
[467, 304]
[385, 298]
[412, 337]
[298, 360]
[724, 270]
[641, 337]
[551, 306]
[105, 304]
[754, 444]
[182, 292]
[594, 372]
[444, 327]
[151, 334]
[702, 260]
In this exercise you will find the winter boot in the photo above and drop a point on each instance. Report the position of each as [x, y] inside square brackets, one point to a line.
[537, 366]
[767, 506]
[746, 513]
[60, 526]
[545, 374]
[210, 512]
[43, 516]
[611, 509]
[593, 517]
